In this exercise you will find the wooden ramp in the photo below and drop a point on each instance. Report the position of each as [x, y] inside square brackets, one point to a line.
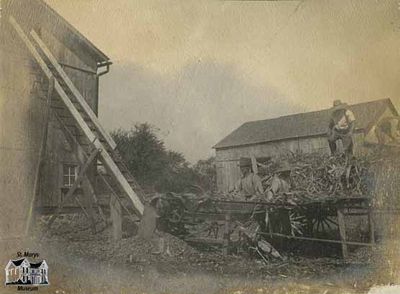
[80, 123]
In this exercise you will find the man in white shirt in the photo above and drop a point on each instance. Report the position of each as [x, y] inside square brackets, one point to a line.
[341, 127]
[249, 184]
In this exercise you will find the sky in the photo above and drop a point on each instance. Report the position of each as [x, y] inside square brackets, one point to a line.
[197, 70]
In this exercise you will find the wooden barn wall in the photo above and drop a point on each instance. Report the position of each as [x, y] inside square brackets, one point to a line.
[228, 171]
[84, 80]
[21, 124]
[59, 151]
[23, 77]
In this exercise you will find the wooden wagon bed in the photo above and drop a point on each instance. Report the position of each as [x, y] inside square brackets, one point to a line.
[320, 214]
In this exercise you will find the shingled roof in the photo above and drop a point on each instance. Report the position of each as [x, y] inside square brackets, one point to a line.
[301, 125]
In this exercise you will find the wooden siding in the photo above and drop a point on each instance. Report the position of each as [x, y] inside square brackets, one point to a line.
[23, 92]
[21, 125]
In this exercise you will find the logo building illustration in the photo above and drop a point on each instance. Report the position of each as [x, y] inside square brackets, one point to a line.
[23, 272]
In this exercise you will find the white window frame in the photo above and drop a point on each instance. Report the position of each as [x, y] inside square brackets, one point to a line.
[71, 175]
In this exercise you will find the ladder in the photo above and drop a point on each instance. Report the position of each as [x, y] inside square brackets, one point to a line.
[80, 120]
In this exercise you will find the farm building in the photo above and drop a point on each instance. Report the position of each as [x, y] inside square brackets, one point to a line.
[303, 132]
[49, 92]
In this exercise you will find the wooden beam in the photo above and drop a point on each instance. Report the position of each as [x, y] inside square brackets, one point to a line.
[88, 202]
[315, 239]
[74, 90]
[342, 232]
[206, 240]
[116, 218]
[254, 164]
[227, 234]
[42, 153]
[371, 224]
[105, 156]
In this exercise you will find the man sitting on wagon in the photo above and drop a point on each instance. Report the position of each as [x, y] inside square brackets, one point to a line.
[278, 218]
[249, 185]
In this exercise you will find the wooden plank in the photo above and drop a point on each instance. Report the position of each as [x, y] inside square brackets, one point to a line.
[74, 90]
[105, 157]
[227, 234]
[116, 218]
[95, 200]
[113, 192]
[42, 153]
[206, 240]
[254, 164]
[371, 224]
[88, 202]
[315, 239]
[342, 232]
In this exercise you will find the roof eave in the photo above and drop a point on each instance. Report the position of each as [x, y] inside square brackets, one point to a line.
[216, 147]
[100, 56]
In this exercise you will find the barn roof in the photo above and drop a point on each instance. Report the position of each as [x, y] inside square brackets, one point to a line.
[38, 14]
[301, 125]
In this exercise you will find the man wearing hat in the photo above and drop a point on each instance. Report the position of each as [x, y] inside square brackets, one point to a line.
[279, 220]
[250, 183]
[341, 127]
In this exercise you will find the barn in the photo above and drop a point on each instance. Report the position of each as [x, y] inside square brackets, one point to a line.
[303, 132]
[51, 139]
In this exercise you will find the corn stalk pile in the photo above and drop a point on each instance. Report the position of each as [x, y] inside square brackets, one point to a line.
[318, 177]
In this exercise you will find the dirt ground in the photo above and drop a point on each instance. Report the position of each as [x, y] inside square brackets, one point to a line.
[82, 262]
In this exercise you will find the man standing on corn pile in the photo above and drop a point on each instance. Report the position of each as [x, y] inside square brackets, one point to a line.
[341, 127]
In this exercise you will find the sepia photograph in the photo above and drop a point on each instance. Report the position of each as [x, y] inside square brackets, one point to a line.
[200, 147]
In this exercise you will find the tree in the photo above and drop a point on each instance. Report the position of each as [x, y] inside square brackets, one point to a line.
[158, 169]
[143, 152]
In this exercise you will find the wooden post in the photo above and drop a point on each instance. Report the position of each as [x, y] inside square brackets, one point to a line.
[342, 231]
[40, 163]
[254, 164]
[371, 224]
[226, 234]
[88, 203]
[116, 218]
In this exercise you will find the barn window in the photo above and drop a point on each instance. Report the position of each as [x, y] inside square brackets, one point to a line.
[70, 173]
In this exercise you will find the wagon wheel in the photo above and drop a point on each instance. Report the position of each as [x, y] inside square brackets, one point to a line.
[321, 223]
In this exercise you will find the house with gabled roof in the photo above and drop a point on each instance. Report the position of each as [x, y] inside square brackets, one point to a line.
[22, 272]
[303, 132]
